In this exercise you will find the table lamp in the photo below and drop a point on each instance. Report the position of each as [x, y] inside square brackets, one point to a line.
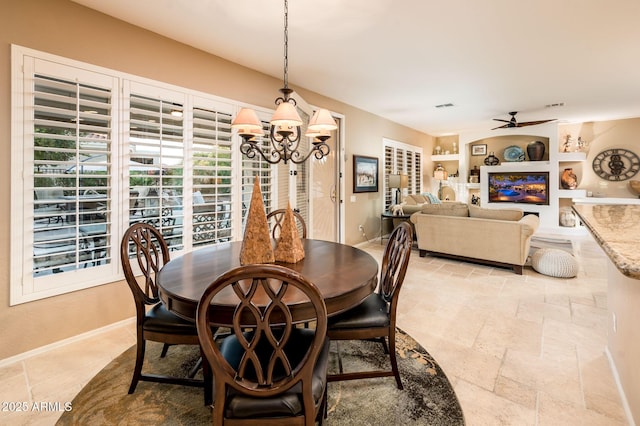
[398, 182]
[440, 174]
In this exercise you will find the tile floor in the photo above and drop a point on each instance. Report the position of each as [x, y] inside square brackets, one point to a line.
[519, 350]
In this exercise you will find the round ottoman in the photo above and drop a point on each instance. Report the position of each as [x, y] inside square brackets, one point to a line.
[555, 263]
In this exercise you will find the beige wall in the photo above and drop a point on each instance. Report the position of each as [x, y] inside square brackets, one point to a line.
[64, 28]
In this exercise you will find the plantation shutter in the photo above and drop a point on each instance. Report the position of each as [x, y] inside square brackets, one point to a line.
[404, 159]
[212, 176]
[156, 165]
[72, 169]
[257, 166]
[388, 169]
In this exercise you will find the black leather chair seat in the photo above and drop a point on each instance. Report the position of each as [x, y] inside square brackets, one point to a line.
[160, 320]
[371, 312]
[289, 404]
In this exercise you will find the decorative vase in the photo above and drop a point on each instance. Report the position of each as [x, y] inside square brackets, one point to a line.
[256, 244]
[535, 150]
[567, 217]
[568, 179]
[491, 160]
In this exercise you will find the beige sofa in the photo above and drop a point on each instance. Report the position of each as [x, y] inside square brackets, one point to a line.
[414, 202]
[498, 237]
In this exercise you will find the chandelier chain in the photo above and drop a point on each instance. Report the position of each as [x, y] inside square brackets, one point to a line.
[286, 44]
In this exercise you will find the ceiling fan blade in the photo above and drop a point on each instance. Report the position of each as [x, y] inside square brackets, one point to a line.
[533, 123]
[504, 121]
[502, 127]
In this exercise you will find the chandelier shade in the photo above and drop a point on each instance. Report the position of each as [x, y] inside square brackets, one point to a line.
[322, 120]
[247, 122]
[286, 115]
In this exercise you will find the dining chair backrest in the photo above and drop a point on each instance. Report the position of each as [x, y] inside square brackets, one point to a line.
[143, 248]
[276, 219]
[375, 317]
[394, 263]
[268, 360]
[143, 245]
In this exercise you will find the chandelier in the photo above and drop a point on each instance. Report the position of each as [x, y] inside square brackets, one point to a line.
[286, 125]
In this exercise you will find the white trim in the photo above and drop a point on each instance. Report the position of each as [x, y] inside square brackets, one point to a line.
[397, 145]
[342, 159]
[60, 343]
[22, 285]
[623, 397]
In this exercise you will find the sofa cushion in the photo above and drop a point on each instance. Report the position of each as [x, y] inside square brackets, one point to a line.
[495, 214]
[420, 199]
[446, 209]
[409, 200]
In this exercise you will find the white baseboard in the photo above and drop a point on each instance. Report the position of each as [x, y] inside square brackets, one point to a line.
[623, 397]
[63, 342]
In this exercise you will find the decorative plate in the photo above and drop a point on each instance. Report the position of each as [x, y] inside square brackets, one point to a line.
[513, 153]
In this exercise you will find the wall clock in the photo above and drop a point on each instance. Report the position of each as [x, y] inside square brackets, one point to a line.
[616, 164]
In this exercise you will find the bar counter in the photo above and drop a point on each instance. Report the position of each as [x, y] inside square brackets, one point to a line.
[616, 228]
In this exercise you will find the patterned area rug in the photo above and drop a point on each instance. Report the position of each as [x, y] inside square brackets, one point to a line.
[427, 398]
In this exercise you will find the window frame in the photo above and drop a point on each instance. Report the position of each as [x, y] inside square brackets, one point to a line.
[401, 162]
[23, 286]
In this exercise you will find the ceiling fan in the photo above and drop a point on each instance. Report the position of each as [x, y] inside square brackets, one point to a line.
[513, 123]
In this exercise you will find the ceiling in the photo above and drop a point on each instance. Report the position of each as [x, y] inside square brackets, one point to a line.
[399, 59]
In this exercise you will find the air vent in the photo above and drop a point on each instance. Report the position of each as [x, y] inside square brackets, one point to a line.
[555, 105]
[447, 105]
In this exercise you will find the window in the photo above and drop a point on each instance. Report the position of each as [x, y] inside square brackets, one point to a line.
[213, 209]
[100, 150]
[404, 159]
[156, 162]
[257, 166]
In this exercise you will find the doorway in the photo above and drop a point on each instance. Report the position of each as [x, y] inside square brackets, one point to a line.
[313, 188]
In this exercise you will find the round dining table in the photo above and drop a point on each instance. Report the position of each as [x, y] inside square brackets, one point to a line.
[345, 275]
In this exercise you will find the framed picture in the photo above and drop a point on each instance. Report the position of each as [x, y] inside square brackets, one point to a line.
[365, 174]
[479, 149]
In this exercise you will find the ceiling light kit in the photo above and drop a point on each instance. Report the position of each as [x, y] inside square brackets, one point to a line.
[286, 125]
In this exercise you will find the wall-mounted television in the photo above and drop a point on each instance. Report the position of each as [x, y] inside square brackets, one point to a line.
[519, 187]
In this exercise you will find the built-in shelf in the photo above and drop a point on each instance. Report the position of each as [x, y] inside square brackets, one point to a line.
[572, 156]
[445, 157]
[472, 185]
[572, 193]
[606, 200]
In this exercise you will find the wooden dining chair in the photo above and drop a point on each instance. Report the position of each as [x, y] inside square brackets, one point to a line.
[276, 219]
[144, 246]
[267, 371]
[375, 317]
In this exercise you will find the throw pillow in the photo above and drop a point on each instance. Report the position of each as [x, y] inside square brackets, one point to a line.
[495, 214]
[446, 209]
[432, 199]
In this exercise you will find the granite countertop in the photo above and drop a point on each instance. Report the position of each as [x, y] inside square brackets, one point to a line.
[616, 227]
